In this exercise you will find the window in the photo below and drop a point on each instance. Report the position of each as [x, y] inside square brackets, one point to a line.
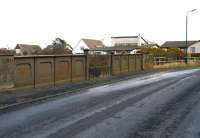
[82, 47]
[192, 49]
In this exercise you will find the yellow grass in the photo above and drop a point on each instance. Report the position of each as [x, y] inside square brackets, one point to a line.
[177, 65]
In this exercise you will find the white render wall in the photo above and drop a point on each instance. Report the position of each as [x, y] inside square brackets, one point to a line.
[197, 48]
[78, 48]
[18, 51]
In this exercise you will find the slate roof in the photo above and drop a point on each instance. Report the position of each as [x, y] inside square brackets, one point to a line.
[92, 43]
[178, 44]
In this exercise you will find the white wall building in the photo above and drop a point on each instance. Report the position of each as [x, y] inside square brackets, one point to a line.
[192, 46]
[128, 41]
[87, 44]
[195, 48]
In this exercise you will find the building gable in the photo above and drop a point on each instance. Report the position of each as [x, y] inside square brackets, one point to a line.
[194, 48]
[87, 44]
[128, 41]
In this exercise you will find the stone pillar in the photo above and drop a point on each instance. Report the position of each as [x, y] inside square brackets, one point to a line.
[7, 68]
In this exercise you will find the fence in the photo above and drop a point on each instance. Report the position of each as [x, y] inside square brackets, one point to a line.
[38, 71]
[165, 60]
[99, 66]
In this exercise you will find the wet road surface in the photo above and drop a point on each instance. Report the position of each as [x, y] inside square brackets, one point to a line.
[165, 104]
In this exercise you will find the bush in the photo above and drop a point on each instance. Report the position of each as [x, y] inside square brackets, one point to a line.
[174, 53]
[195, 54]
[156, 52]
[56, 49]
[4, 51]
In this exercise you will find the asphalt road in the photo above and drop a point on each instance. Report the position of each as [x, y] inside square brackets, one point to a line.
[165, 104]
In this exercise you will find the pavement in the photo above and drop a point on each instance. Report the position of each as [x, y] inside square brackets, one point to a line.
[157, 105]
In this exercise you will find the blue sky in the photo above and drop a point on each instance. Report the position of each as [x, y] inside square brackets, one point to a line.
[40, 21]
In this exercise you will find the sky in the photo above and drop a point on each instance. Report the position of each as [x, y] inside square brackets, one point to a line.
[40, 21]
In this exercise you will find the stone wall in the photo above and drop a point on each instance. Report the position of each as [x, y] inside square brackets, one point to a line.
[6, 71]
[51, 71]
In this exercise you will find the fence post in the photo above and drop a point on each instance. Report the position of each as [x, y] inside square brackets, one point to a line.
[86, 66]
[111, 64]
[128, 64]
[135, 55]
[34, 72]
[71, 58]
[54, 73]
[142, 61]
[120, 60]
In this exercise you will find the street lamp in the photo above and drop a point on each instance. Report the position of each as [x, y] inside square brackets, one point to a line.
[186, 40]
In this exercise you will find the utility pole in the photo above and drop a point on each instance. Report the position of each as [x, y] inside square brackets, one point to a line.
[186, 38]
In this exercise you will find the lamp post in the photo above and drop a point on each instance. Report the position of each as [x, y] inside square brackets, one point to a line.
[186, 38]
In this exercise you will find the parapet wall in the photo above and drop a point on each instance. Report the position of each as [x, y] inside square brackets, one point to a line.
[51, 71]
[7, 67]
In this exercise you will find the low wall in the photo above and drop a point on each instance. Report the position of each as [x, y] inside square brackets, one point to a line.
[50, 71]
[6, 71]
[37, 71]
[63, 70]
[24, 74]
[79, 68]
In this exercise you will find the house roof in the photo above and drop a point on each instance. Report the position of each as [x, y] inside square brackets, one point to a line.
[6, 52]
[92, 43]
[28, 49]
[178, 44]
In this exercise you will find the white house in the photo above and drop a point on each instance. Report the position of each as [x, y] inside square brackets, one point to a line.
[87, 44]
[128, 41]
[192, 46]
[136, 43]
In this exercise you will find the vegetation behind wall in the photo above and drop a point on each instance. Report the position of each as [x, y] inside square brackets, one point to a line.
[195, 55]
[173, 53]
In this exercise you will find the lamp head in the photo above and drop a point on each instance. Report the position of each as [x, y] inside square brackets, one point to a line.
[190, 11]
[193, 10]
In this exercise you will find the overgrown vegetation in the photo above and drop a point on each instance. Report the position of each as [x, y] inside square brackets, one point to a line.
[173, 53]
[59, 41]
[195, 55]
[58, 46]
[4, 51]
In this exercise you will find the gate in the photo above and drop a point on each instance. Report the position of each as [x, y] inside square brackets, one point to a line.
[99, 66]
